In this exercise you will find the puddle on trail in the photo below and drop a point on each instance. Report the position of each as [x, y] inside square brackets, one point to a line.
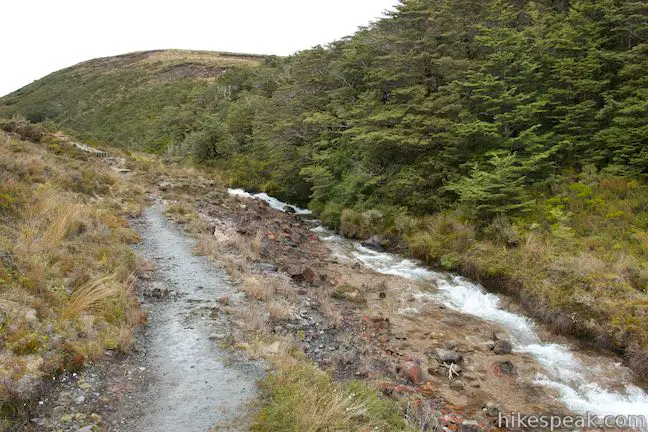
[195, 384]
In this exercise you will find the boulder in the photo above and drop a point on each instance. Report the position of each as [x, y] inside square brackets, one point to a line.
[374, 242]
[305, 275]
[502, 347]
[289, 209]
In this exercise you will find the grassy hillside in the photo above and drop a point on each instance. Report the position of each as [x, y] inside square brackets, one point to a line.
[66, 263]
[120, 100]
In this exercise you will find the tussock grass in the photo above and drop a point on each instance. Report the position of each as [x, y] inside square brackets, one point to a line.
[257, 288]
[280, 311]
[253, 319]
[302, 398]
[65, 263]
[88, 295]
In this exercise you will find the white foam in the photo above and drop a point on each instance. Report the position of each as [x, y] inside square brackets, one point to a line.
[272, 202]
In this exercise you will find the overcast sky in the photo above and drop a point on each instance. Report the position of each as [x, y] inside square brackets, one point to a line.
[42, 36]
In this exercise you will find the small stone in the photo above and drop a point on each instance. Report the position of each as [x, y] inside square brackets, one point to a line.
[448, 356]
[80, 399]
[491, 409]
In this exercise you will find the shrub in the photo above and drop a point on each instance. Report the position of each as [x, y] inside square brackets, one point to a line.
[351, 223]
[23, 128]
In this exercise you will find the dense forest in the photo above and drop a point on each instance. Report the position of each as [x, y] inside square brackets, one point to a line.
[504, 139]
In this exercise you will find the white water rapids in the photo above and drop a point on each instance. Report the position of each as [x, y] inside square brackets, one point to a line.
[593, 384]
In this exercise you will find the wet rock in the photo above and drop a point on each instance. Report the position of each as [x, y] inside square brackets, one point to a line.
[491, 409]
[289, 209]
[411, 369]
[456, 385]
[264, 267]
[502, 347]
[501, 368]
[375, 242]
[469, 426]
[448, 356]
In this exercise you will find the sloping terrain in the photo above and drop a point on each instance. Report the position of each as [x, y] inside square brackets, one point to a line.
[66, 263]
[120, 100]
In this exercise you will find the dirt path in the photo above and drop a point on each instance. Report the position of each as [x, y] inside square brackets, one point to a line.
[194, 384]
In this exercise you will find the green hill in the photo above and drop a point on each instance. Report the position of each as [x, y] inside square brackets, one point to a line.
[119, 100]
[505, 140]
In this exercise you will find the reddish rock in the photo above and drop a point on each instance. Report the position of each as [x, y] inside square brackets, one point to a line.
[306, 275]
[411, 369]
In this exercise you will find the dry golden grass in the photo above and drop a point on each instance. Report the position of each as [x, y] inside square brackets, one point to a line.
[330, 311]
[253, 319]
[87, 296]
[280, 310]
[257, 288]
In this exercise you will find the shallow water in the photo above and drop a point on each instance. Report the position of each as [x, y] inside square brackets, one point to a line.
[586, 383]
[195, 386]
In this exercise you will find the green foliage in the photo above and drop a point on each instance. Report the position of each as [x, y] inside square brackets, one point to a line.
[301, 397]
[484, 134]
[496, 190]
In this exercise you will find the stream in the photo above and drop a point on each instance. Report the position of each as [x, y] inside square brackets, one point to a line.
[196, 385]
[587, 383]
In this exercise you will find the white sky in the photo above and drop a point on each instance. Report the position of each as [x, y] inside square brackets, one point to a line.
[42, 36]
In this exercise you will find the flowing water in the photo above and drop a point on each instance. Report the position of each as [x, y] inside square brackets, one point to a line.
[586, 383]
[195, 385]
